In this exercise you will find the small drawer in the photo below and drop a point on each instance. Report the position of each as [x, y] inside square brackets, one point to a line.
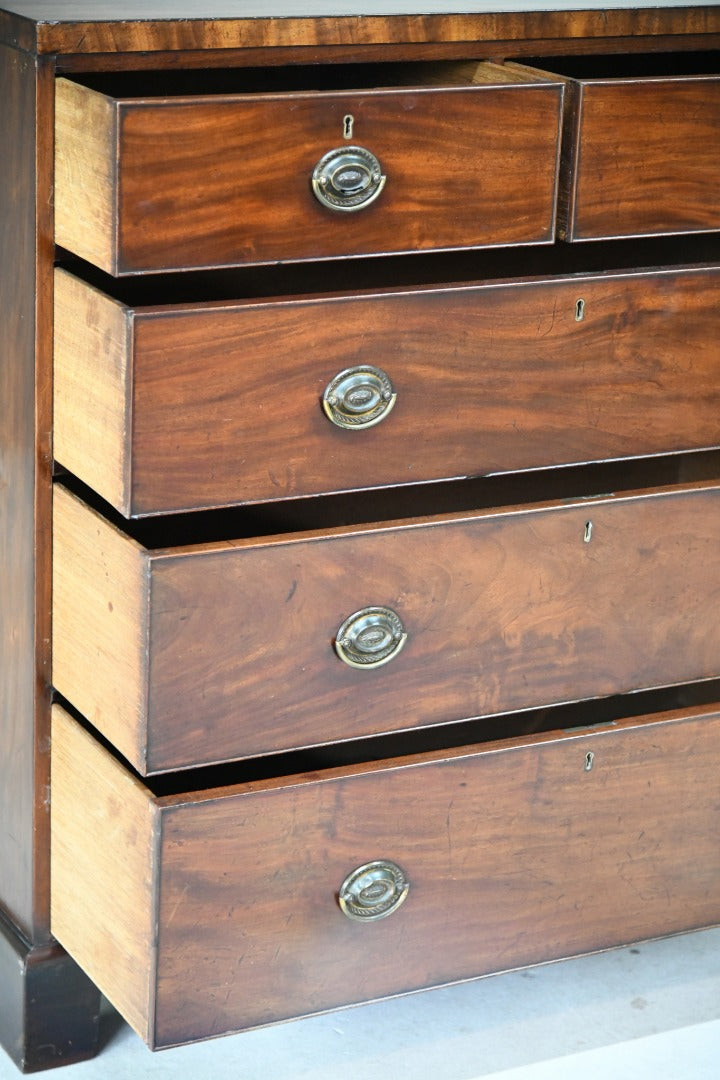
[185, 180]
[641, 146]
[211, 911]
[225, 649]
[190, 406]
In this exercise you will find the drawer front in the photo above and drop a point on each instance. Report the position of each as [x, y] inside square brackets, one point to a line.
[231, 650]
[218, 911]
[644, 158]
[200, 182]
[216, 405]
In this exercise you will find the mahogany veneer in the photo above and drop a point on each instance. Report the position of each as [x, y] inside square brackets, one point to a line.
[519, 852]
[179, 407]
[145, 137]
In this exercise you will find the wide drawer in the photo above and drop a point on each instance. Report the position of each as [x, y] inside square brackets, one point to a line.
[641, 146]
[233, 649]
[198, 405]
[146, 183]
[217, 910]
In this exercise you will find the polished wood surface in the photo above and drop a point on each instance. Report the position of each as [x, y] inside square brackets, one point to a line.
[17, 490]
[103, 26]
[516, 852]
[644, 158]
[504, 610]
[26, 90]
[198, 405]
[249, 198]
[647, 612]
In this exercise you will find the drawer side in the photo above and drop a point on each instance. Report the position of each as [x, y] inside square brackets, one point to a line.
[86, 174]
[103, 867]
[100, 615]
[92, 388]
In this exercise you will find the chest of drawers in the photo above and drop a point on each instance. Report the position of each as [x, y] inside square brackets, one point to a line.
[360, 503]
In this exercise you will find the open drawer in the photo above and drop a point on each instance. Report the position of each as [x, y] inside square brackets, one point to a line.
[641, 144]
[168, 406]
[210, 911]
[225, 648]
[309, 163]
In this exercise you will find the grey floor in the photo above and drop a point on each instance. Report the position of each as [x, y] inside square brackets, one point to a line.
[652, 1011]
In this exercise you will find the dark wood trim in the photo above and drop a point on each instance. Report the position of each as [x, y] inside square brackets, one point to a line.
[335, 54]
[18, 32]
[123, 34]
[49, 1009]
[26, 90]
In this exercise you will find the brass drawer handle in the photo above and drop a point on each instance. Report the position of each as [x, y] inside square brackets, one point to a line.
[370, 638]
[348, 178]
[373, 891]
[359, 397]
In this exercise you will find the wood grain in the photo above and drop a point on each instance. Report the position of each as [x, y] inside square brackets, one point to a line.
[104, 837]
[26, 124]
[85, 173]
[495, 49]
[246, 198]
[93, 412]
[504, 610]
[645, 156]
[515, 854]
[100, 26]
[490, 378]
[100, 605]
[17, 489]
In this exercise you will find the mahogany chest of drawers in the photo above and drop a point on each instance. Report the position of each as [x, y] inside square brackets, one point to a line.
[360, 502]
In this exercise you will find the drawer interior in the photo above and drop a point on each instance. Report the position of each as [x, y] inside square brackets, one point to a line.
[629, 65]
[297, 78]
[599, 714]
[412, 502]
[359, 275]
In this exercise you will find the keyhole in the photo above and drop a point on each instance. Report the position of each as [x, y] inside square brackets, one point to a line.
[579, 311]
[348, 122]
[589, 760]
[587, 535]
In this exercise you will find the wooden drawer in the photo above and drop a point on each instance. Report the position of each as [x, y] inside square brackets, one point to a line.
[146, 183]
[216, 910]
[641, 146]
[188, 406]
[228, 649]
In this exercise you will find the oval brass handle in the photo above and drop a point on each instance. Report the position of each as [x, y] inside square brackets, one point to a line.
[348, 178]
[373, 891]
[359, 397]
[370, 637]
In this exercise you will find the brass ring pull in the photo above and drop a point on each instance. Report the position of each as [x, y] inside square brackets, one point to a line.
[370, 638]
[373, 891]
[348, 178]
[358, 397]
